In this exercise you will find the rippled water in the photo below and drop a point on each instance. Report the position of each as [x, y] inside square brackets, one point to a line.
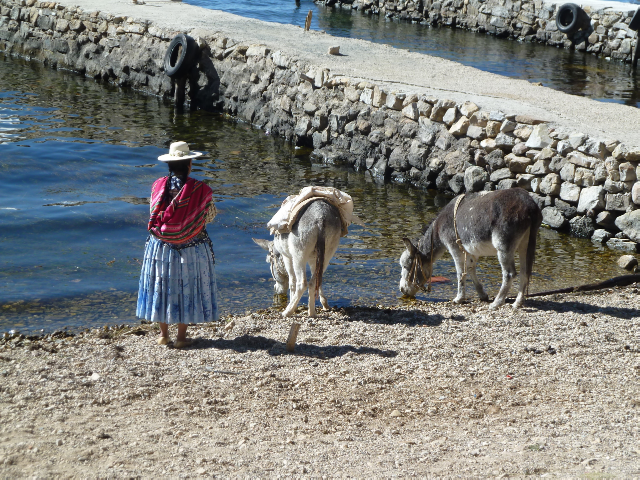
[77, 160]
[572, 72]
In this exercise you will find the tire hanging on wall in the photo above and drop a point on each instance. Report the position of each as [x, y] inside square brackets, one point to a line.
[571, 18]
[180, 56]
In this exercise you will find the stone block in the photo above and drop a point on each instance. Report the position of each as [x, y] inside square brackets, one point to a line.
[411, 111]
[623, 245]
[367, 96]
[552, 217]
[501, 174]
[508, 126]
[584, 177]
[635, 193]
[601, 236]
[489, 144]
[540, 167]
[627, 172]
[570, 192]
[557, 163]
[492, 129]
[505, 142]
[582, 227]
[523, 132]
[591, 199]
[475, 179]
[581, 160]
[617, 202]
[628, 262]
[524, 181]
[629, 224]
[395, 101]
[468, 108]
[564, 147]
[551, 184]
[460, 128]
[606, 219]
[476, 132]
[479, 118]
[506, 184]
[450, 116]
[539, 137]
[517, 164]
[379, 97]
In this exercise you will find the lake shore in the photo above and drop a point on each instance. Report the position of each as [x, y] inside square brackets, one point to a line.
[418, 389]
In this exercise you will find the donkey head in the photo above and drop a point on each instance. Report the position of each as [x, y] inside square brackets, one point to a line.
[416, 269]
[278, 270]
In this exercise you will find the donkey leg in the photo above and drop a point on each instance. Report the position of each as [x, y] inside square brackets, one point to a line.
[458, 259]
[300, 282]
[312, 293]
[323, 299]
[524, 278]
[471, 269]
[508, 264]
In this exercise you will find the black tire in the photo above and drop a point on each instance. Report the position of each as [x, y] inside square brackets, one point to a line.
[635, 21]
[571, 18]
[180, 56]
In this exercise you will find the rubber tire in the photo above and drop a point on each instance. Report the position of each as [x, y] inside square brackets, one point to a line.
[180, 56]
[571, 18]
[635, 21]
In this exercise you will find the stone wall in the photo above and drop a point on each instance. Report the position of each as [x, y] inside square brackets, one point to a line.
[586, 185]
[523, 20]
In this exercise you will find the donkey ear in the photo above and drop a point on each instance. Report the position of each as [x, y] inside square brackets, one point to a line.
[263, 243]
[412, 249]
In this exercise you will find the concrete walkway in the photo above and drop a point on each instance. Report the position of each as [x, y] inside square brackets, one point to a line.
[397, 69]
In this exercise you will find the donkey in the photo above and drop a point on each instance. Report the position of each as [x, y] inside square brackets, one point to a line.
[313, 240]
[472, 226]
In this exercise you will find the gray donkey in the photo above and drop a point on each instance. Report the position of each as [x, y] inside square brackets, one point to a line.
[499, 223]
[313, 240]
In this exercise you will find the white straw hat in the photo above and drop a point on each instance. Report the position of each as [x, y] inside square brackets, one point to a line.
[178, 151]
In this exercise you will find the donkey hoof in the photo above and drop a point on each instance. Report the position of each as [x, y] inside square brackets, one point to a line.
[484, 298]
[495, 306]
[287, 313]
[458, 300]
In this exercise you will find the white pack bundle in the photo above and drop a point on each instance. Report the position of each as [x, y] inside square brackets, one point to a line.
[284, 218]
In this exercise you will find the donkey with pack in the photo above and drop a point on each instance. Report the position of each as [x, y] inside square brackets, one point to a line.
[307, 231]
[498, 223]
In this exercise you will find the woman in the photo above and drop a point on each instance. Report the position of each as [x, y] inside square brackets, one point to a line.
[178, 281]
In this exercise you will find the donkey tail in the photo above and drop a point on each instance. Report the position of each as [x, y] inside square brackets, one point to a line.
[319, 259]
[531, 246]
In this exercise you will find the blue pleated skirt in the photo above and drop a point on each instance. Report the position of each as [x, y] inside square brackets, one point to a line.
[177, 286]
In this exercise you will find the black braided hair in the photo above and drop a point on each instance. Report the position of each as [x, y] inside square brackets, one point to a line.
[179, 169]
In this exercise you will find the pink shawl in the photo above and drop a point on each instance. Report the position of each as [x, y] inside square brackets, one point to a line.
[184, 217]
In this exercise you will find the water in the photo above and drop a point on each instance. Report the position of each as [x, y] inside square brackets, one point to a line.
[77, 160]
[572, 72]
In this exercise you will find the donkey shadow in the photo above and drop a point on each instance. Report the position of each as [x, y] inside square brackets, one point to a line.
[387, 316]
[252, 343]
[582, 308]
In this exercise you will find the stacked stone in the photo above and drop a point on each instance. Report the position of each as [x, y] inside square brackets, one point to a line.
[525, 20]
[122, 50]
[583, 184]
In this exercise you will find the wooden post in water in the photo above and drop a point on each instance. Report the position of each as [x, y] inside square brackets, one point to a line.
[636, 52]
[293, 335]
[307, 22]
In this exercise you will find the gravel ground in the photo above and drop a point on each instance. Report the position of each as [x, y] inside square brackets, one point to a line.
[423, 388]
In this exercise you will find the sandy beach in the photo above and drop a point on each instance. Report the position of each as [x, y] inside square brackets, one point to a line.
[421, 389]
